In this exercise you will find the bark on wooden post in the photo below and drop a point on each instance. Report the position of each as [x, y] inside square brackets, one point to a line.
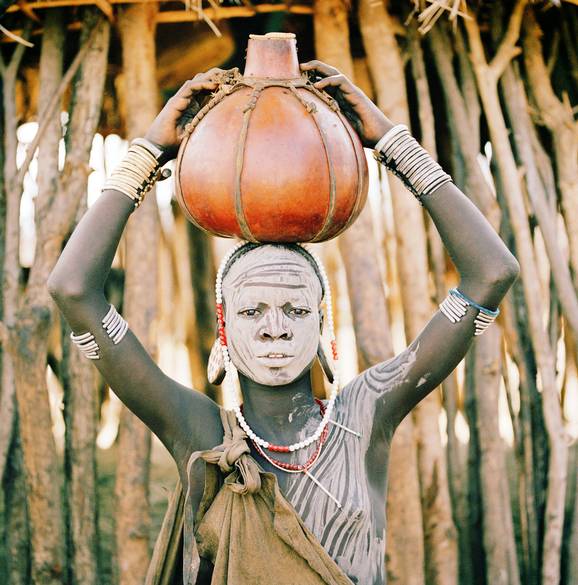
[558, 117]
[17, 528]
[11, 234]
[81, 396]
[81, 406]
[203, 272]
[499, 541]
[15, 517]
[367, 297]
[79, 378]
[473, 496]
[56, 206]
[531, 435]
[501, 563]
[81, 419]
[438, 266]
[572, 542]
[518, 108]
[137, 29]
[176, 309]
[377, 30]
[487, 75]
[28, 348]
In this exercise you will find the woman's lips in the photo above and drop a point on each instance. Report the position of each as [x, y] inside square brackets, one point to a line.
[275, 356]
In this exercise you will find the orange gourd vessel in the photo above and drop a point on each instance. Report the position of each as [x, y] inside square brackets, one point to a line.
[270, 158]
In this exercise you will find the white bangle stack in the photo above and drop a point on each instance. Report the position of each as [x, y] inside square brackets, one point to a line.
[400, 152]
[138, 171]
[86, 344]
[114, 326]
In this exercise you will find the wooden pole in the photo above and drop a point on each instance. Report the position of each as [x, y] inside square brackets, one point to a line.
[137, 30]
[178, 315]
[404, 555]
[498, 528]
[499, 540]
[383, 55]
[81, 419]
[56, 206]
[81, 401]
[518, 108]
[16, 527]
[28, 348]
[558, 117]
[10, 259]
[473, 496]
[203, 272]
[572, 541]
[437, 258]
[487, 75]
[15, 515]
[530, 437]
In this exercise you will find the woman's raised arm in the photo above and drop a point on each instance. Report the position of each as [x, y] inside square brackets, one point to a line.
[486, 267]
[182, 419]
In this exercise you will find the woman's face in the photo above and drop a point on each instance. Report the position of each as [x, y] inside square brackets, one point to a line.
[272, 298]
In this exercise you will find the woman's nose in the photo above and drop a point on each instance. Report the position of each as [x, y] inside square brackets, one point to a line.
[275, 326]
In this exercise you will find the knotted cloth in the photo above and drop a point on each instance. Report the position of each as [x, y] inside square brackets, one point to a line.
[244, 526]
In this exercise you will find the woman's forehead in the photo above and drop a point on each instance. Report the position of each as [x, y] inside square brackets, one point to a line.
[273, 268]
[282, 292]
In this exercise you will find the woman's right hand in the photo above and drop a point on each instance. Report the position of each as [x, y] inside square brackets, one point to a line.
[165, 130]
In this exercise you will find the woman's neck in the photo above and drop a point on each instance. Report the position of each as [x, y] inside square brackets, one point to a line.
[279, 412]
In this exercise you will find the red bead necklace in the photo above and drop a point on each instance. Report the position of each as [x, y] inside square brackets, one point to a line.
[293, 467]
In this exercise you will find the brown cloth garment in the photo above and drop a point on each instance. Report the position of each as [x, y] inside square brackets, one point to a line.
[244, 527]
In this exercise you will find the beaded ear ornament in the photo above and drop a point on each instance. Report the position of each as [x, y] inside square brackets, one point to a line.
[327, 411]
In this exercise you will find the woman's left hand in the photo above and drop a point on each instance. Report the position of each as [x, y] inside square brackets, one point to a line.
[368, 120]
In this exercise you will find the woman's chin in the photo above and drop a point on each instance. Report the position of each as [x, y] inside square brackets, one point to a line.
[277, 376]
[273, 376]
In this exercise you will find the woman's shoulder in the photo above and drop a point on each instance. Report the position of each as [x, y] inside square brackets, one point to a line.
[358, 400]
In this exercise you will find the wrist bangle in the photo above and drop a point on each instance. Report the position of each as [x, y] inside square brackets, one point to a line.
[138, 171]
[400, 152]
[388, 136]
[158, 152]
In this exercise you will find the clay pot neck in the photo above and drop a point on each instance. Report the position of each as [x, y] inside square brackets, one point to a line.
[273, 56]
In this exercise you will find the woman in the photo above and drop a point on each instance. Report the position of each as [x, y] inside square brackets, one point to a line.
[327, 462]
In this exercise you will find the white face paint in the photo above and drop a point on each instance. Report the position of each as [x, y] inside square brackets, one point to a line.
[272, 297]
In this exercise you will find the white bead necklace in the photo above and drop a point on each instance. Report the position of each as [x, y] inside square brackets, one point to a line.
[230, 368]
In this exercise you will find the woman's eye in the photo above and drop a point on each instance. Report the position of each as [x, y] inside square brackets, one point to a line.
[298, 312]
[249, 312]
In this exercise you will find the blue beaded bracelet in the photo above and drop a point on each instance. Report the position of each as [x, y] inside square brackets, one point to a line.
[489, 312]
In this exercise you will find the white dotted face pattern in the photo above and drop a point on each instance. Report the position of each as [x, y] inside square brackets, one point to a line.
[272, 315]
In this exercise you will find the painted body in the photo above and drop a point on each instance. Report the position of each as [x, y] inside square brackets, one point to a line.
[277, 397]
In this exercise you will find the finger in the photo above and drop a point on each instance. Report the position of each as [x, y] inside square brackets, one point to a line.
[323, 69]
[194, 85]
[183, 97]
[338, 81]
[215, 73]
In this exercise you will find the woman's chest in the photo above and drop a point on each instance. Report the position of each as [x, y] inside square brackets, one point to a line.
[335, 502]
